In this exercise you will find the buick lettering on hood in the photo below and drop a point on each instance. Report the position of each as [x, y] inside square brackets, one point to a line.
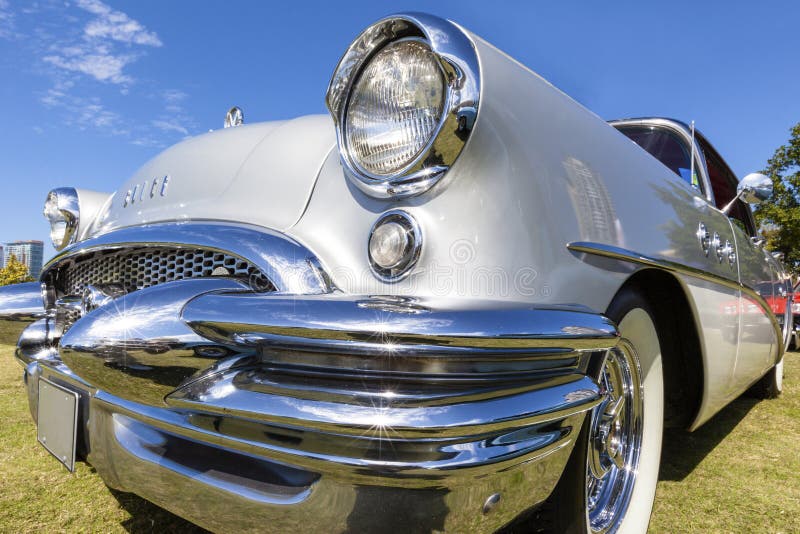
[461, 302]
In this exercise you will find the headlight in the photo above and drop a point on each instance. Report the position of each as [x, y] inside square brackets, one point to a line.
[61, 209]
[395, 107]
[405, 99]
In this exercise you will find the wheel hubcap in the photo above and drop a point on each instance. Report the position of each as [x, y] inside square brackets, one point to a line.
[615, 437]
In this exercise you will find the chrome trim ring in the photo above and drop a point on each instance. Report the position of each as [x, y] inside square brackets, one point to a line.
[459, 62]
[615, 440]
[403, 269]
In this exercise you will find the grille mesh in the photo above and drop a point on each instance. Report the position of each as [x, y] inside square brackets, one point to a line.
[145, 267]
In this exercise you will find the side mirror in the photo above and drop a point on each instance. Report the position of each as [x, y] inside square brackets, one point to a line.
[753, 189]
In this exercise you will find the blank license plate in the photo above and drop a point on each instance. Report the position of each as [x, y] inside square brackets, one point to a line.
[58, 421]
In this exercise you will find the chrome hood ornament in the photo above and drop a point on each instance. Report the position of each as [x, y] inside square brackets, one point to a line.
[234, 117]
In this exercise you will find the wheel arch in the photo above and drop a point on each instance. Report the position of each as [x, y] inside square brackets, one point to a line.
[682, 357]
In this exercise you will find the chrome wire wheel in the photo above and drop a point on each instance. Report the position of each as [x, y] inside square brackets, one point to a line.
[615, 440]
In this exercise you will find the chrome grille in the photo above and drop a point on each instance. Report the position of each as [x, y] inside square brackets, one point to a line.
[139, 268]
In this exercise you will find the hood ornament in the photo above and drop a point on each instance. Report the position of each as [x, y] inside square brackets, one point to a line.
[234, 117]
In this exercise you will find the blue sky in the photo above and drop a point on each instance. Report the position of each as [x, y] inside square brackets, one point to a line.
[89, 91]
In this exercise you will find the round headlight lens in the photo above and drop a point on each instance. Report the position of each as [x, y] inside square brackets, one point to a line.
[395, 107]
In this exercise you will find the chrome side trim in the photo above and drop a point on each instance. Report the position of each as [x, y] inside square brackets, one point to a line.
[290, 266]
[621, 254]
[459, 62]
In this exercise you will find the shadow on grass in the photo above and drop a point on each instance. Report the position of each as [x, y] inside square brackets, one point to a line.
[683, 451]
[147, 517]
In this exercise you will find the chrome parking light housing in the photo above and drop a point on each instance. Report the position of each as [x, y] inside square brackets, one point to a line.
[456, 57]
[394, 265]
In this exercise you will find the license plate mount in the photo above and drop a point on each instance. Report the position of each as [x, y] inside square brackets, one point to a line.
[57, 418]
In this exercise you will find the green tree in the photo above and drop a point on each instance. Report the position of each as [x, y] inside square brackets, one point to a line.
[14, 272]
[779, 218]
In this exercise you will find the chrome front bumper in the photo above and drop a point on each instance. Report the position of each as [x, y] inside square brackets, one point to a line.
[256, 441]
[265, 411]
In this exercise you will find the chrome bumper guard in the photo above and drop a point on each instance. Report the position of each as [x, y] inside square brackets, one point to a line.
[242, 410]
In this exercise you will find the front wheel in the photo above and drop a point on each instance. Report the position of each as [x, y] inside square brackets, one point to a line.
[610, 480]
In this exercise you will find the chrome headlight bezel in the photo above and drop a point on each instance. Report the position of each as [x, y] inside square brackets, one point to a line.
[458, 60]
[62, 206]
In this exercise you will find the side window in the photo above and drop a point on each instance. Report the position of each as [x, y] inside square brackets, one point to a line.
[724, 184]
[667, 147]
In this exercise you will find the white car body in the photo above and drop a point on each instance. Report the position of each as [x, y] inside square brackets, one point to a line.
[547, 207]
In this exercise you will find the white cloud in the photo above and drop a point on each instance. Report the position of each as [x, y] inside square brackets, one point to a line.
[7, 25]
[86, 49]
[101, 67]
[146, 142]
[95, 54]
[116, 25]
[172, 101]
[173, 95]
[170, 126]
[82, 112]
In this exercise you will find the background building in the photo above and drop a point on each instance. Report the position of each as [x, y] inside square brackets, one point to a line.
[28, 252]
[2, 257]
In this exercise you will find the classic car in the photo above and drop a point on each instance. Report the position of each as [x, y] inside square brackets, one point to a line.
[461, 302]
[794, 305]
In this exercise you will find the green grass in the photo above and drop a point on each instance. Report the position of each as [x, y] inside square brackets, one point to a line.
[38, 495]
[738, 473]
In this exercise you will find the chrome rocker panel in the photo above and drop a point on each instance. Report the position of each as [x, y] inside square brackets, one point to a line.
[334, 411]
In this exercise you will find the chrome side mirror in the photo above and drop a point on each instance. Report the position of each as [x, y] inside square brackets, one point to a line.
[753, 189]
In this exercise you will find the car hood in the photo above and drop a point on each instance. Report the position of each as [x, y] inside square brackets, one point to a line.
[262, 174]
